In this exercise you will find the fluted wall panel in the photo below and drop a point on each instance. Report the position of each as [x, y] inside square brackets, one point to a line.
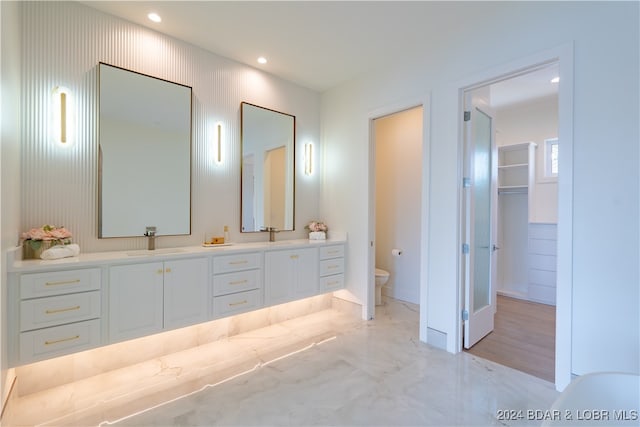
[63, 42]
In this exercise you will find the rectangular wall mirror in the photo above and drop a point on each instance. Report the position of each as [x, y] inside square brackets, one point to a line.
[268, 169]
[144, 141]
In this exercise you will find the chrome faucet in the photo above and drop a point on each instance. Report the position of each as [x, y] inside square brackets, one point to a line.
[151, 234]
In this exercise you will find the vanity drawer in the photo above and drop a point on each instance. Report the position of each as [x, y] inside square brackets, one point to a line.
[335, 251]
[36, 285]
[228, 283]
[229, 263]
[236, 303]
[331, 266]
[59, 340]
[58, 310]
[332, 283]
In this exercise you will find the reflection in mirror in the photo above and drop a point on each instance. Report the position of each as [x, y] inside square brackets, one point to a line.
[268, 170]
[144, 154]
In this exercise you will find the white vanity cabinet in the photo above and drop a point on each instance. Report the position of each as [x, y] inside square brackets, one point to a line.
[64, 306]
[331, 268]
[146, 298]
[237, 283]
[290, 274]
[186, 292]
[58, 313]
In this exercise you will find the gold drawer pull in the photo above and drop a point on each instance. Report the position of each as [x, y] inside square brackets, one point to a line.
[62, 282]
[333, 252]
[168, 270]
[332, 266]
[62, 310]
[61, 340]
[159, 271]
[233, 304]
[244, 261]
[333, 283]
[239, 282]
[294, 256]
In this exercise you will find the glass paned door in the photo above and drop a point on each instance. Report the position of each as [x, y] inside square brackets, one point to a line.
[482, 211]
[480, 214]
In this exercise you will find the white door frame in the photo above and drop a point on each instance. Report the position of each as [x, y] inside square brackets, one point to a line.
[564, 56]
[425, 103]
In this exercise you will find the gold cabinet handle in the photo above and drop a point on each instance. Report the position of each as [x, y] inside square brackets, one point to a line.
[244, 261]
[62, 282]
[332, 266]
[233, 304]
[61, 340]
[294, 257]
[62, 310]
[160, 271]
[168, 270]
[239, 282]
[333, 283]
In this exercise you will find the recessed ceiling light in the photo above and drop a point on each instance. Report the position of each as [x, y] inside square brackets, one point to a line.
[555, 80]
[154, 17]
[262, 60]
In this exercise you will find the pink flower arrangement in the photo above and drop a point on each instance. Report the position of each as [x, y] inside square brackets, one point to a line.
[316, 226]
[56, 235]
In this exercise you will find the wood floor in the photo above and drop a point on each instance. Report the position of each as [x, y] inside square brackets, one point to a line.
[523, 338]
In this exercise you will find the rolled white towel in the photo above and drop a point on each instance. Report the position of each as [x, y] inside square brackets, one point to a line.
[61, 251]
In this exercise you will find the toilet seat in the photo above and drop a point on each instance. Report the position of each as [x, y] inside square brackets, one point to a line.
[381, 273]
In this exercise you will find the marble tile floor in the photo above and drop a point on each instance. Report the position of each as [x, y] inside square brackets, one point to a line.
[323, 369]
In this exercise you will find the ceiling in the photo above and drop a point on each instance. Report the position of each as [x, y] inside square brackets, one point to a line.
[316, 44]
[533, 85]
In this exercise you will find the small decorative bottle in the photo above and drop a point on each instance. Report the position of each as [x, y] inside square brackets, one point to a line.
[227, 238]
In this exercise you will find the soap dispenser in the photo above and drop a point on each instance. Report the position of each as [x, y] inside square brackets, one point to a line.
[227, 238]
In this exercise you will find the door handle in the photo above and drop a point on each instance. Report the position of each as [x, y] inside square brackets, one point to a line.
[495, 248]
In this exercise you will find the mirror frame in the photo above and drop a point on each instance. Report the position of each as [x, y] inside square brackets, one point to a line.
[242, 166]
[187, 221]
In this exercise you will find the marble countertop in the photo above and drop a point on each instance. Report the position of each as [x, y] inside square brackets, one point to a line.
[15, 264]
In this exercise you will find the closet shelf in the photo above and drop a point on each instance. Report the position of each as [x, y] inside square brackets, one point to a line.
[518, 146]
[514, 166]
[513, 189]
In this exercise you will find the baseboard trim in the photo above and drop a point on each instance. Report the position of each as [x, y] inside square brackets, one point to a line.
[437, 338]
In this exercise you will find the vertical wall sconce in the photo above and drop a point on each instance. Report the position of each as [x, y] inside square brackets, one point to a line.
[219, 139]
[308, 158]
[62, 115]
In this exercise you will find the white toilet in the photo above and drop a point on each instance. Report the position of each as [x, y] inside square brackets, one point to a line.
[382, 277]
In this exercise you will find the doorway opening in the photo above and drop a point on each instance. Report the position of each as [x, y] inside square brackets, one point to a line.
[397, 193]
[512, 264]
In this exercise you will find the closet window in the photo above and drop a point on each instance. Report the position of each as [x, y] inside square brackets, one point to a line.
[551, 158]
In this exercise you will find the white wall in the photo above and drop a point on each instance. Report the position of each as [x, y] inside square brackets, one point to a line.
[10, 41]
[398, 147]
[512, 230]
[535, 121]
[482, 36]
[63, 43]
